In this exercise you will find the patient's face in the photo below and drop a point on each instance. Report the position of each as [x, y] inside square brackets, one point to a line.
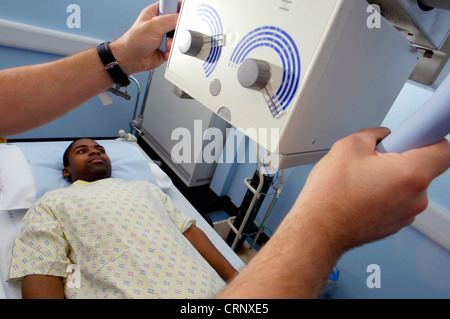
[87, 161]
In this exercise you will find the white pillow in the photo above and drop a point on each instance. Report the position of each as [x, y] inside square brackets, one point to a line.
[17, 189]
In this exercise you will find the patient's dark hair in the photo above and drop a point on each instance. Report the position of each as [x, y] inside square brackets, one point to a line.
[66, 153]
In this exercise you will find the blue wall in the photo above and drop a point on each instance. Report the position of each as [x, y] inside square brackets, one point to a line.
[100, 19]
[412, 266]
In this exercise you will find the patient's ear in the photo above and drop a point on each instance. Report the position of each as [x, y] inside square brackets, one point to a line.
[66, 172]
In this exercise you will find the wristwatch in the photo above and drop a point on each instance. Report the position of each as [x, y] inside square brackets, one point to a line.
[111, 66]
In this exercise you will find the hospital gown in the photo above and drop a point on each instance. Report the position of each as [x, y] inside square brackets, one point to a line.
[125, 238]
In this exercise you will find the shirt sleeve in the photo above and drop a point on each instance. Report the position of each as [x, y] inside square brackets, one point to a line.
[176, 216]
[40, 246]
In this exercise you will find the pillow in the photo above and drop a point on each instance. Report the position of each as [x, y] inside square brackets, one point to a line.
[16, 179]
[46, 163]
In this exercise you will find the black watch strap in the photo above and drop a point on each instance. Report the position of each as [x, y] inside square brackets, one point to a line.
[111, 65]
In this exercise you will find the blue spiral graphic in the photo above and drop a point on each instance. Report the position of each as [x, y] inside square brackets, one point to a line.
[209, 15]
[280, 41]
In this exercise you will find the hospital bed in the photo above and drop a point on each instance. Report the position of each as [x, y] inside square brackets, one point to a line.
[30, 169]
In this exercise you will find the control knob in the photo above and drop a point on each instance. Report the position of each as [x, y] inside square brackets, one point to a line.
[191, 42]
[254, 74]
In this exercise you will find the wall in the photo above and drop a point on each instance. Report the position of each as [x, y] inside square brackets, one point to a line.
[99, 19]
[412, 265]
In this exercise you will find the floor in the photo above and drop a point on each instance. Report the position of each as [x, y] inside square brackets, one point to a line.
[220, 223]
[246, 254]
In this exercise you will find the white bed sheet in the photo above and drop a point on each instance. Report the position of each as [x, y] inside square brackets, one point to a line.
[9, 225]
[10, 222]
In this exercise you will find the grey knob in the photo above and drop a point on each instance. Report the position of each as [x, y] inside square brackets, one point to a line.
[190, 42]
[254, 74]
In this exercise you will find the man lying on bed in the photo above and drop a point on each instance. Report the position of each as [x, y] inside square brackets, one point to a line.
[125, 239]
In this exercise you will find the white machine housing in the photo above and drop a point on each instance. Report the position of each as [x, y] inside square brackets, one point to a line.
[335, 66]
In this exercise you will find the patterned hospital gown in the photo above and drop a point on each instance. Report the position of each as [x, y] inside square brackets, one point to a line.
[125, 238]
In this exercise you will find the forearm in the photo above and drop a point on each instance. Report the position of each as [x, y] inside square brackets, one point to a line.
[35, 95]
[42, 287]
[293, 264]
[207, 249]
[347, 201]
